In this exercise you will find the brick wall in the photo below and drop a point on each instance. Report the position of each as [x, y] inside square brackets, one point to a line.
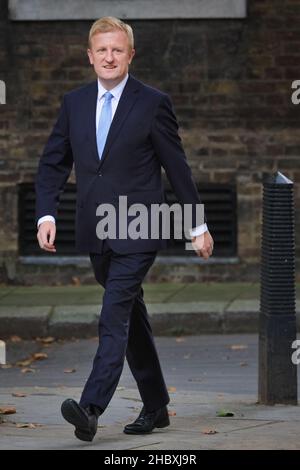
[230, 81]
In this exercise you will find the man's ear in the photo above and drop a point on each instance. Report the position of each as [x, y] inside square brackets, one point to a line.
[90, 55]
[131, 55]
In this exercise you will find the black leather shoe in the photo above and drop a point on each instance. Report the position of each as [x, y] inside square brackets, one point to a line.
[85, 420]
[147, 421]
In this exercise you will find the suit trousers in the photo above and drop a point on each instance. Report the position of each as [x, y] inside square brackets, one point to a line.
[124, 330]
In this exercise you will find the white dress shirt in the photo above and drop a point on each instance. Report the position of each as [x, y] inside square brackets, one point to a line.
[116, 92]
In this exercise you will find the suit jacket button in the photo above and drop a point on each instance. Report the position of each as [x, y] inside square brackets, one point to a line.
[99, 174]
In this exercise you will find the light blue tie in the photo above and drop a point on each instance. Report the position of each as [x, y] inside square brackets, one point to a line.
[104, 123]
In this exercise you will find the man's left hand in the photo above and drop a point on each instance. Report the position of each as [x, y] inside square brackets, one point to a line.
[203, 245]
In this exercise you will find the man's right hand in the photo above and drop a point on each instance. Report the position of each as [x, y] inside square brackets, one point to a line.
[46, 236]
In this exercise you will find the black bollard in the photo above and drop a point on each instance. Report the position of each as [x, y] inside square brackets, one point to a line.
[277, 324]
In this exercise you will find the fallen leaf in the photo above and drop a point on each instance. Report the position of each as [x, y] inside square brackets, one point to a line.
[76, 281]
[69, 371]
[27, 370]
[24, 363]
[180, 340]
[224, 413]
[172, 389]
[236, 347]
[172, 413]
[243, 364]
[5, 366]
[120, 388]
[209, 431]
[19, 394]
[28, 425]
[47, 340]
[8, 410]
[40, 356]
[15, 339]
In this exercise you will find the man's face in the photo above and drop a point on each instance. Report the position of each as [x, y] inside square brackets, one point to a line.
[110, 54]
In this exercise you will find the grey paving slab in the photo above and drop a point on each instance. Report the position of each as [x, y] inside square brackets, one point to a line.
[162, 292]
[4, 291]
[68, 295]
[266, 436]
[254, 436]
[56, 290]
[211, 291]
[77, 295]
[249, 291]
[267, 430]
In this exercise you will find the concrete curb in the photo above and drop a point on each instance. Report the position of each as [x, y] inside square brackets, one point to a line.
[169, 319]
[26, 322]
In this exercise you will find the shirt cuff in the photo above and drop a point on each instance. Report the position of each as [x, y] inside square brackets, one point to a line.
[46, 218]
[197, 231]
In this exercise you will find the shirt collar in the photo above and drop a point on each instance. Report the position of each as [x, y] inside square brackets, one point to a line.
[116, 91]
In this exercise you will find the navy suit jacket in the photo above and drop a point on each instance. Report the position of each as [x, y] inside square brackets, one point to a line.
[143, 137]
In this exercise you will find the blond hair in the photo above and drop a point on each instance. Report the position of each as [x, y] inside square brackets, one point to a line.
[110, 23]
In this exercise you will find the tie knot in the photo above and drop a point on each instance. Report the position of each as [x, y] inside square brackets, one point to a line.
[108, 96]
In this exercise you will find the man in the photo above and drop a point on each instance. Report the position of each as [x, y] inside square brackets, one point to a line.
[118, 132]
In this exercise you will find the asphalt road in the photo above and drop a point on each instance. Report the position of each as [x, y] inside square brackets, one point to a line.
[218, 363]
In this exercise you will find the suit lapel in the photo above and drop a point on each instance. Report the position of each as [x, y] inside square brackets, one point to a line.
[126, 103]
[90, 106]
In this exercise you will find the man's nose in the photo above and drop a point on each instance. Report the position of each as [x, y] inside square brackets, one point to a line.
[109, 56]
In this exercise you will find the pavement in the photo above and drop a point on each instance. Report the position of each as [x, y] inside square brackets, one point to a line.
[174, 309]
[207, 376]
